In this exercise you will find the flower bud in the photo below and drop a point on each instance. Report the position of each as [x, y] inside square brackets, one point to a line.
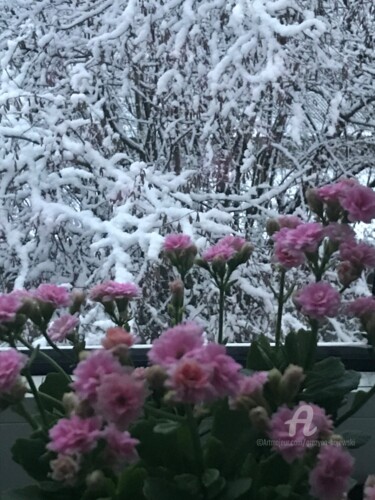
[272, 226]
[78, 298]
[177, 288]
[314, 202]
[97, 483]
[64, 469]
[259, 418]
[291, 381]
[156, 376]
[244, 254]
[347, 272]
[70, 402]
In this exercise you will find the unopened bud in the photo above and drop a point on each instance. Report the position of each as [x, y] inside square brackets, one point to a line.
[156, 376]
[370, 482]
[314, 202]
[259, 418]
[291, 381]
[347, 272]
[272, 226]
[70, 402]
[244, 254]
[336, 440]
[177, 290]
[64, 469]
[96, 482]
[78, 298]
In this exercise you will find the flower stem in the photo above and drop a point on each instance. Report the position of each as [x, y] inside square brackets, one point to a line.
[21, 410]
[221, 313]
[163, 414]
[193, 426]
[280, 307]
[36, 395]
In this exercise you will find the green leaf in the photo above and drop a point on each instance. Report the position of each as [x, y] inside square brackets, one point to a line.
[162, 489]
[131, 483]
[298, 347]
[188, 482]
[32, 455]
[210, 476]
[355, 439]
[55, 385]
[167, 427]
[237, 488]
[260, 355]
[214, 453]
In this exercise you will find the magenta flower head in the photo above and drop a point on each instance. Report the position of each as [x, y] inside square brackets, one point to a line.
[111, 291]
[361, 307]
[74, 435]
[177, 242]
[294, 430]
[9, 306]
[329, 479]
[120, 399]
[62, 327]
[359, 202]
[175, 343]
[11, 364]
[121, 447]
[89, 373]
[181, 251]
[358, 254]
[56, 296]
[285, 253]
[333, 193]
[227, 248]
[369, 490]
[318, 300]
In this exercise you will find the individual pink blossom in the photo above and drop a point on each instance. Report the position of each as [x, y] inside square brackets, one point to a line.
[318, 300]
[224, 372]
[329, 479]
[190, 381]
[236, 242]
[111, 290]
[348, 272]
[65, 469]
[9, 305]
[293, 430]
[117, 336]
[11, 364]
[89, 373]
[121, 447]
[120, 399]
[221, 252]
[369, 489]
[359, 254]
[339, 233]
[289, 221]
[57, 296]
[306, 237]
[334, 192]
[74, 435]
[359, 202]
[361, 306]
[288, 256]
[252, 384]
[62, 327]
[176, 342]
[175, 242]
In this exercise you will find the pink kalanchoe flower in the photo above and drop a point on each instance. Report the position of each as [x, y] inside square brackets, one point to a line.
[175, 242]
[120, 399]
[359, 254]
[224, 371]
[74, 435]
[287, 256]
[89, 373]
[111, 290]
[330, 477]
[117, 336]
[65, 469]
[11, 364]
[359, 202]
[223, 252]
[176, 342]
[293, 430]
[369, 489]
[9, 305]
[121, 447]
[62, 327]
[235, 242]
[361, 306]
[57, 296]
[339, 233]
[252, 384]
[334, 192]
[190, 381]
[289, 221]
[306, 237]
[318, 300]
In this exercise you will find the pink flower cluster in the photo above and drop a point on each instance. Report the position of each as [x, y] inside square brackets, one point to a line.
[196, 372]
[56, 296]
[225, 249]
[358, 254]
[9, 305]
[330, 477]
[11, 364]
[177, 242]
[111, 290]
[62, 327]
[294, 430]
[361, 306]
[291, 244]
[358, 201]
[117, 336]
[74, 435]
[318, 300]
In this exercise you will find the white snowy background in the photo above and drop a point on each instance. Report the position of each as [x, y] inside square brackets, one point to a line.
[122, 121]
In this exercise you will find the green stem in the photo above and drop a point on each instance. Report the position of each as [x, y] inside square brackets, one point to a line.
[221, 313]
[36, 395]
[355, 407]
[163, 414]
[280, 307]
[194, 432]
[314, 342]
[51, 361]
[53, 400]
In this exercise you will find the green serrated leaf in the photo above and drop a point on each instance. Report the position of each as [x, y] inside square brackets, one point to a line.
[167, 427]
